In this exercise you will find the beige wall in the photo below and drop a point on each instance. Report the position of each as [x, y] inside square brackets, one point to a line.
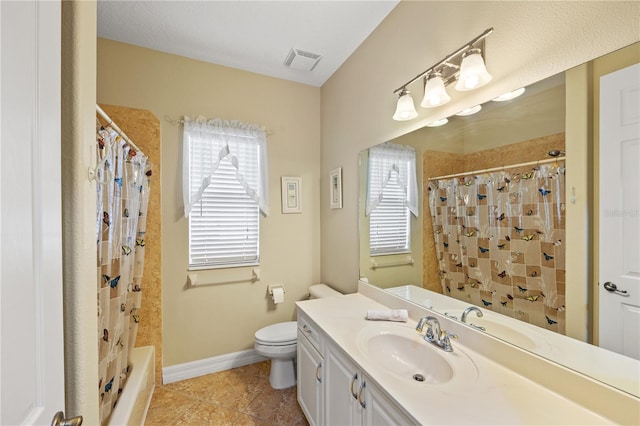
[531, 41]
[212, 320]
[79, 207]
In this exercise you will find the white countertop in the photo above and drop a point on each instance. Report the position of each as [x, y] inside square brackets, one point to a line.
[495, 395]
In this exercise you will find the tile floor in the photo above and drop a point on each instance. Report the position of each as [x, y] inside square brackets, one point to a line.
[240, 396]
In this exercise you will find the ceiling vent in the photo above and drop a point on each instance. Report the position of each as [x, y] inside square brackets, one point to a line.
[302, 60]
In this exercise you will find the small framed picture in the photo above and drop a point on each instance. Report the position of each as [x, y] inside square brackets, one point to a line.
[291, 194]
[335, 188]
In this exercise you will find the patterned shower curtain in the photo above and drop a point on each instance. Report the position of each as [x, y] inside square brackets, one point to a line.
[123, 195]
[500, 241]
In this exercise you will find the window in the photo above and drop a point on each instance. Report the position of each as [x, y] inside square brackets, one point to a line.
[389, 222]
[225, 191]
[392, 196]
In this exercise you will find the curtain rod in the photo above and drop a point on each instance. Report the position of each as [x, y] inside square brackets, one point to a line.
[497, 169]
[115, 127]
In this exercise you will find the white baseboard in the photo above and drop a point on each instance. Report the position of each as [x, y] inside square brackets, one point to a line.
[189, 370]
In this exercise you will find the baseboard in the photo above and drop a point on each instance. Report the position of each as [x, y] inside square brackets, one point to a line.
[189, 370]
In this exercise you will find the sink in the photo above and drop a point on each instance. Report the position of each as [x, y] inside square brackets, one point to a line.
[408, 357]
[402, 351]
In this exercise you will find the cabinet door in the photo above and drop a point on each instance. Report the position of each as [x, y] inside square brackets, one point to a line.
[310, 379]
[341, 389]
[380, 411]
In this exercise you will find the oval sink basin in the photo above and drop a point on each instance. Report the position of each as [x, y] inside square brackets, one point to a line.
[408, 357]
[402, 351]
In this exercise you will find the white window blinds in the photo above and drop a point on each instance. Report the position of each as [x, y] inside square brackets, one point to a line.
[389, 221]
[392, 195]
[225, 169]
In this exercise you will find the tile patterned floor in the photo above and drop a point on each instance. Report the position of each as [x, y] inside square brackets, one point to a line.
[240, 396]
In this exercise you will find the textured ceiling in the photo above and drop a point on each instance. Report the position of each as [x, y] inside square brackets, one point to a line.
[249, 35]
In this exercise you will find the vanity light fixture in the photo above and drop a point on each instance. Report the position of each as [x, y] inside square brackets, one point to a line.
[470, 111]
[405, 109]
[509, 95]
[466, 66]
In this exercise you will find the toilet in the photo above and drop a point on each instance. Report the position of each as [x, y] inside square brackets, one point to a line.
[278, 342]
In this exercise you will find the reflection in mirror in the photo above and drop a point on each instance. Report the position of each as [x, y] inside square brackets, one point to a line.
[491, 252]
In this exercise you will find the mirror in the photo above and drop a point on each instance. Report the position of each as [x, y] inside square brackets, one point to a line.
[526, 129]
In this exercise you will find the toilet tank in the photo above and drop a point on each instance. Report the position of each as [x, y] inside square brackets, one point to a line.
[318, 291]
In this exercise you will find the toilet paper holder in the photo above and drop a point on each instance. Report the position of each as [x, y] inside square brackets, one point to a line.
[271, 287]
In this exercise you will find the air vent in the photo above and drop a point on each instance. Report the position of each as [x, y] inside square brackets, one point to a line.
[302, 60]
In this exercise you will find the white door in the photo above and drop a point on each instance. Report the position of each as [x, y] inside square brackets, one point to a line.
[31, 338]
[619, 281]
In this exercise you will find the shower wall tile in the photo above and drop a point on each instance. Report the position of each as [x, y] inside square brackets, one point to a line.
[434, 163]
[143, 128]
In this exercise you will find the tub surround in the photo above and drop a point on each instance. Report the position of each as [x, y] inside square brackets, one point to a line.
[512, 386]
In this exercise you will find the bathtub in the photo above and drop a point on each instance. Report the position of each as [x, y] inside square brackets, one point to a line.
[133, 404]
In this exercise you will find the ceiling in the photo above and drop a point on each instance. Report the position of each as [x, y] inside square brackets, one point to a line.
[254, 36]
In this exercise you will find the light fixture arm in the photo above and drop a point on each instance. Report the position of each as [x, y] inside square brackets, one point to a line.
[446, 59]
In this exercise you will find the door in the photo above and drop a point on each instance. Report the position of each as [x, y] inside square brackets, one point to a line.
[31, 337]
[310, 389]
[619, 281]
[380, 410]
[342, 387]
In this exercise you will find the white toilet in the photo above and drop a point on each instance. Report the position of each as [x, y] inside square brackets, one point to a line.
[278, 342]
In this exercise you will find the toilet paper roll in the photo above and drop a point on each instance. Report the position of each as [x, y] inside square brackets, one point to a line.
[277, 294]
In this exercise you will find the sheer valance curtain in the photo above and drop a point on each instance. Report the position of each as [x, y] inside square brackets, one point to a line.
[207, 142]
[384, 160]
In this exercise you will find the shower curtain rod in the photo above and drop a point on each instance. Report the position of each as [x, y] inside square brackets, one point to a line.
[497, 169]
[115, 127]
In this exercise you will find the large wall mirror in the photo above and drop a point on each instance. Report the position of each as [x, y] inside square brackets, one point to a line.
[528, 234]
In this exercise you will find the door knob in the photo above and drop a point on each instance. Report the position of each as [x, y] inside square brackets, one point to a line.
[612, 288]
[59, 420]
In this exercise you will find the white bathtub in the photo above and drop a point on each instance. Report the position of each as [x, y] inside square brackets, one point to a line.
[133, 404]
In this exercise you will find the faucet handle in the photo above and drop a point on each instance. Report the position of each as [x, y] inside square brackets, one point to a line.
[446, 342]
[449, 334]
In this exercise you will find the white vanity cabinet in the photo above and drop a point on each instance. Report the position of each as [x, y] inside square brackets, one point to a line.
[310, 372]
[333, 390]
[352, 398]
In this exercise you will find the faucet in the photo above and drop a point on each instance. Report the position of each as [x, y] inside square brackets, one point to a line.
[467, 311]
[470, 309]
[435, 333]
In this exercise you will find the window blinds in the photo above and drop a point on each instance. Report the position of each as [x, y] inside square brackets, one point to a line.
[224, 225]
[389, 222]
[225, 190]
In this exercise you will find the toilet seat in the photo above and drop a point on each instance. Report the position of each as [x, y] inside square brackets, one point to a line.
[280, 334]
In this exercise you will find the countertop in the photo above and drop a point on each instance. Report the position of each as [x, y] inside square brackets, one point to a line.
[491, 395]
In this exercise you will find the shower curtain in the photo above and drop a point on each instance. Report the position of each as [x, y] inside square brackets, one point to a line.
[122, 177]
[500, 241]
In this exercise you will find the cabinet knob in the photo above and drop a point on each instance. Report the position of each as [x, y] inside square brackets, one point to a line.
[318, 373]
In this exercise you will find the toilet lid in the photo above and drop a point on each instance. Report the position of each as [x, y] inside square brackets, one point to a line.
[283, 332]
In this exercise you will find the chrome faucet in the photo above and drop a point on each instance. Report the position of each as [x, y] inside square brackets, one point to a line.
[467, 311]
[470, 309]
[435, 333]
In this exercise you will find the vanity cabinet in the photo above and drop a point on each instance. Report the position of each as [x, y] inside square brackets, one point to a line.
[333, 390]
[352, 398]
